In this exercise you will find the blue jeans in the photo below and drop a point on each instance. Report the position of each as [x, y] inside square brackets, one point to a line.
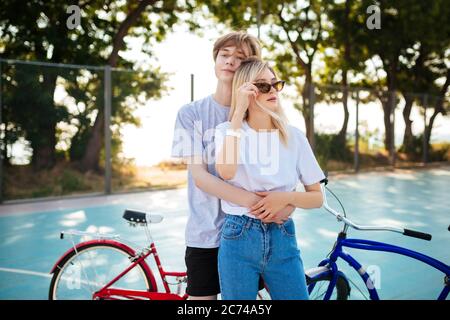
[250, 248]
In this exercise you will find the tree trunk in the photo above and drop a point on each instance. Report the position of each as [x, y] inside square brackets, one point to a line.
[387, 124]
[430, 125]
[44, 153]
[43, 142]
[439, 108]
[5, 139]
[408, 136]
[342, 135]
[389, 104]
[307, 108]
[91, 157]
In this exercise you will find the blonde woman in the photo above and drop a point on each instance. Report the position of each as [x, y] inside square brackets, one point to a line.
[192, 141]
[258, 151]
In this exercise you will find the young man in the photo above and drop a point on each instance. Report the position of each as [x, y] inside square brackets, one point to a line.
[193, 140]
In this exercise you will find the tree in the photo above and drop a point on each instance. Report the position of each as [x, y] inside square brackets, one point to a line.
[30, 96]
[36, 30]
[301, 32]
[440, 105]
[91, 155]
[345, 64]
[302, 25]
[425, 67]
[408, 37]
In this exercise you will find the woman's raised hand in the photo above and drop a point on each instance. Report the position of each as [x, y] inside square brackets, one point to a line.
[245, 94]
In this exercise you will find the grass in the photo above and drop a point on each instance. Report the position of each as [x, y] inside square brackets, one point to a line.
[22, 182]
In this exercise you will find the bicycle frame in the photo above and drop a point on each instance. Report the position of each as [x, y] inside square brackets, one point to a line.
[106, 292]
[338, 252]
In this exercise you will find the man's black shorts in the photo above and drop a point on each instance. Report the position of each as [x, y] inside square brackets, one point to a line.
[202, 272]
[203, 276]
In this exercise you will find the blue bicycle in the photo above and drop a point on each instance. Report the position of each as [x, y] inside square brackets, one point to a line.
[328, 282]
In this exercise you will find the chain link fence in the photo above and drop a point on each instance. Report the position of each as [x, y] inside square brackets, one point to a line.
[77, 130]
[361, 128]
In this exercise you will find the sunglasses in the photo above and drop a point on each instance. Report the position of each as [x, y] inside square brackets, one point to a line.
[264, 87]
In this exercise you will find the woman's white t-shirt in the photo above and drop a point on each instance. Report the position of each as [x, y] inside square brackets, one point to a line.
[266, 164]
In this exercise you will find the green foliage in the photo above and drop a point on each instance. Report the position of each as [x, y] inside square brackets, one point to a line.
[329, 147]
[307, 41]
[71, 182]
[440, 152]
[408, 53]
[36, 30]
[45, 191]
[415, 148]
[436, 152]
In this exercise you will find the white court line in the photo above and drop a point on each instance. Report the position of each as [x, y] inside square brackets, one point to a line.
[27, 272]
[46, 275]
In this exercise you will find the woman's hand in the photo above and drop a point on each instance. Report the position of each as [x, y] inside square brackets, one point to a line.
[245, 94]
[280, 216]
[273, 202]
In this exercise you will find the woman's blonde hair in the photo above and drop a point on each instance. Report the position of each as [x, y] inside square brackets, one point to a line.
[248, 71]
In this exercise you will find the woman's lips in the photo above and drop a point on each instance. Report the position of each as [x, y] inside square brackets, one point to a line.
[272, 99]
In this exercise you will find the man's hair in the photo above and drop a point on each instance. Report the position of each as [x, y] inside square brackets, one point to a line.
[238, 39]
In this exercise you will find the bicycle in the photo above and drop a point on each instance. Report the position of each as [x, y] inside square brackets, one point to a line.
[83, 269]
[338, 286]
[128, 268]
[132, 278]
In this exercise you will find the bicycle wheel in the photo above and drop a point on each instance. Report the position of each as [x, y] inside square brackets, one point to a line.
[86, 270]
[320, 285]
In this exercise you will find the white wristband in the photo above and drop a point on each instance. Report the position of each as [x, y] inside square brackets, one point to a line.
[234, 133]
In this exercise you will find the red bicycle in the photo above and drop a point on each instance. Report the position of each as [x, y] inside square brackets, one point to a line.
[106, 268]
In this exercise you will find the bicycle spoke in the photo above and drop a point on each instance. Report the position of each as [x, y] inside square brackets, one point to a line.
[317, 289]
[95, 269]
[360, 291]
[87, 270]
[85, 274]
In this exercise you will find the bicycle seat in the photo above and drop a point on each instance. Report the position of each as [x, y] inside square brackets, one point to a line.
[140, 217]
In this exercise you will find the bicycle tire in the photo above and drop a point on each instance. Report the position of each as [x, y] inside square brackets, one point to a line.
[68, 258]
[342, 287]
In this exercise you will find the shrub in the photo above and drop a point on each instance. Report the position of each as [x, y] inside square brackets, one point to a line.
[330, 147]
[71, 182]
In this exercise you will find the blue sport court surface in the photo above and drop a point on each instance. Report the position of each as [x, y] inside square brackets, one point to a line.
[418, 200]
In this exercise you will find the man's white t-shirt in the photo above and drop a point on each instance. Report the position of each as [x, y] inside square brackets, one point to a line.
[266, 164]
[194, 136]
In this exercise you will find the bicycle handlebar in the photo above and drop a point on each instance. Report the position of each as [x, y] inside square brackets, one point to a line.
[340, 217]
[417, 234]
